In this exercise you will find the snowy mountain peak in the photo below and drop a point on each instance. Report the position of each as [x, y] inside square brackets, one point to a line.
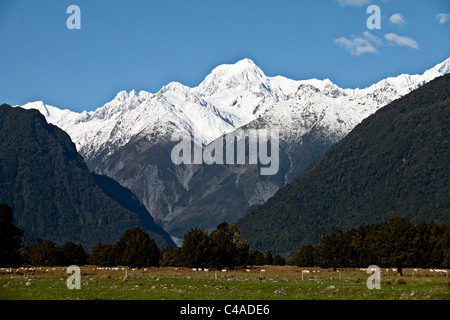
[240, 66]
[38, 105]
[121, 96]
[404, 83]
[52, 114]
[132, 93]
[443, 67]
[124, 96]
[246, 61]
[174, 86]
[244, 75]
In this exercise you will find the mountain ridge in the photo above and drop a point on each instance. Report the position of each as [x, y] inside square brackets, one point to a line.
[395, 162]
[282, 87]
[52, 192]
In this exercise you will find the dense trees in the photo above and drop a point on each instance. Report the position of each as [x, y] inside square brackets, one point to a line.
[72, 254]
[45, 254]
[257, 258]
[104, 255]
[49, 254]
[268, 259]
[10, 240]
[228, 249]
[303, 257]
[195, 249]
[170, 257]
[135, 249]
[396, 243]
[278, 260]
[224, 247]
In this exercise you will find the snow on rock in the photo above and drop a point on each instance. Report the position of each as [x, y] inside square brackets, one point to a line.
[231, 96]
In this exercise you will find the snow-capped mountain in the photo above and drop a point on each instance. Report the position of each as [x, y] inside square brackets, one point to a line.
[229, 97]
[129, 138]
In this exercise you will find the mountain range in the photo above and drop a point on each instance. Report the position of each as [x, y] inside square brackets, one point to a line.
[129, 139]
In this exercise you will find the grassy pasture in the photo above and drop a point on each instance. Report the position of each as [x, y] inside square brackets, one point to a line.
[287, 282]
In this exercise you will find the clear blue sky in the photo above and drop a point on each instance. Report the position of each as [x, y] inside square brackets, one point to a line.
[143, 45]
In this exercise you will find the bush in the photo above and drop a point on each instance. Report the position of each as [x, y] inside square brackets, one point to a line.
[137, 249]
[170, 257]
[195, 250]
[104, 255]
[72, 254]
[257, 258]
[278, 260]
[44, 254]
[303, 257]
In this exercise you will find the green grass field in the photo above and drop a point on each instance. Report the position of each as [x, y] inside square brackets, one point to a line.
[274, 283]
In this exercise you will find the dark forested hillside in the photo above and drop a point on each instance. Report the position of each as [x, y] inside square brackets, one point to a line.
[395, 163]
[129, 200]
[52, 192]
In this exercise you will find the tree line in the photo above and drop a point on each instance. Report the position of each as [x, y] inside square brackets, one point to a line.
[224, 247]
[397, 243]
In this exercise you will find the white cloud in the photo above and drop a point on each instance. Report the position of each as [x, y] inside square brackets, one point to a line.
[359, 45]
[443, 17]
[368, 43]
[352, 3]
[402, 41]
[372, 38]
[397, 18]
